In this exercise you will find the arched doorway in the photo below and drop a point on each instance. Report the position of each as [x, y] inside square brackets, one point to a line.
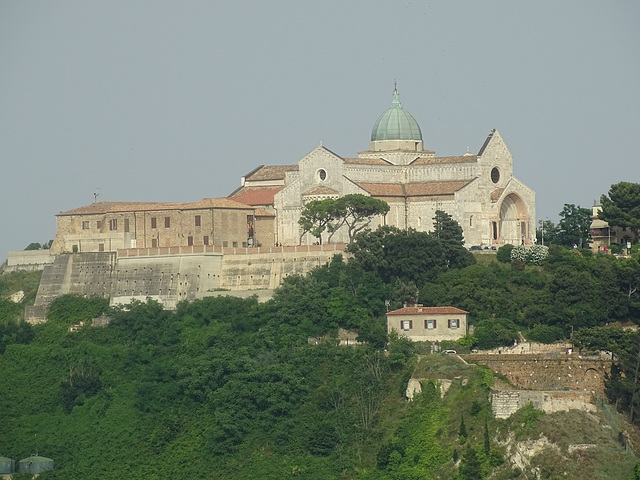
[514, 220]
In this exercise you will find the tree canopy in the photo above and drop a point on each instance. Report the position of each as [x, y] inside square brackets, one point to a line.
[353, 211]
[621, 208]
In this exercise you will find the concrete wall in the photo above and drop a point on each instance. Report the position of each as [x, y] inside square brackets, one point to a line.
[506, 402]
[170, 275]
[28, 260]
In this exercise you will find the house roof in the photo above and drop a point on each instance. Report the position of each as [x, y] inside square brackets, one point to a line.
[468, 158]
[255, 195]
[420, 310]
[261, 212]
[270, 172]
[412, 189]
[116, 207]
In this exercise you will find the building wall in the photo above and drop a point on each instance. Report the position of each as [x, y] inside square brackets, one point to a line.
[172, 274]
[486, 201]
[134, 229]
[419, 332]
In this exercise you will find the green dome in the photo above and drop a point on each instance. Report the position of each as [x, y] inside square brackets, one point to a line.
[396, 123]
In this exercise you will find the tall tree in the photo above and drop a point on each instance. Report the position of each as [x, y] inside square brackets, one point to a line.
[316, 216]
[574, 226]
[449, 232]
[355, 211]
[622, 207]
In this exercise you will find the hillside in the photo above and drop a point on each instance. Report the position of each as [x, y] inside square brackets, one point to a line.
[222, 388]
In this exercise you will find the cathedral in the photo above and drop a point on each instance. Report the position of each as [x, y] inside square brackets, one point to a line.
[478, 190]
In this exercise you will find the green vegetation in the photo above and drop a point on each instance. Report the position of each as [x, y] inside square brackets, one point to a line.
[230, 388]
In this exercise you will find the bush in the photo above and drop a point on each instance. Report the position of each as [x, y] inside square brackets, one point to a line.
[532, 255]
[504, 253]
[492, 333]
[545, 333]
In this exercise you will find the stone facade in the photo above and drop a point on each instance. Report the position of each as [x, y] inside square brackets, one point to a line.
[111, 226]
[428, 324]
[478, 190]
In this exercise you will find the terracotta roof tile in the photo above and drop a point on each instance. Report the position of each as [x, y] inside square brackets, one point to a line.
[270, 172]
[420, 310]
[440, 160]
[413, 189]
[321, 191]
[116, 207]
[367, 161]
[261, 212]
[255, 195]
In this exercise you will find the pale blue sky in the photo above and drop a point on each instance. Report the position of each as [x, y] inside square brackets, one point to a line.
[175, 101]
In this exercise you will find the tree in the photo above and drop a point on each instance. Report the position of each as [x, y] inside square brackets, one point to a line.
[574, 226]
[355, 212]
[546, 233]
[393, 253]
[449, 232]
[316, 216]
[622, 207]
[33, 246]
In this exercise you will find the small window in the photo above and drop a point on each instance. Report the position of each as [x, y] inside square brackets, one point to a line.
[205, 240]
[322, 175]
[407, 324]
[154, 243]
[126, 225]
[113, 224]
[197, 220]
[154, 223]
[190, 241]
[99, 224]
[167, 222]
[429, 324]
[454, 323]
[225, 243]
[85, 225]
[235, 244]
[101, 247]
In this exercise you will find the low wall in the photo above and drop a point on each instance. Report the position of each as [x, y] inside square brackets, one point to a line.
[171, 275]
[31, 260]
[548, 371]
[506, 402]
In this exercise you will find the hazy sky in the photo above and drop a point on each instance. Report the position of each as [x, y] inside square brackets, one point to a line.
[174, 101]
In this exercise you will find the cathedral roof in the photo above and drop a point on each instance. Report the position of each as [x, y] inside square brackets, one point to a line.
[255, 195]
[367, 161]
[321, 191]
[438, 160]
[421, 189]
[117, 207]
[270, 172]
[396, 123]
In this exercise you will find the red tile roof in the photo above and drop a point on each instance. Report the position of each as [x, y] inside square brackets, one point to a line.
[116, 207]
[270, 172]
[420, 310]
[367, 161]
[413, 189]
[256, 195]
[439, 160]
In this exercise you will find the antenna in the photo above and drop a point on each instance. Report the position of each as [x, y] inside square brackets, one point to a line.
[96, 195]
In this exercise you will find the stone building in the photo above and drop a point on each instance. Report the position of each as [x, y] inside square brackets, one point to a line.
[428, 324]
[110, 226]
[478, 190]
